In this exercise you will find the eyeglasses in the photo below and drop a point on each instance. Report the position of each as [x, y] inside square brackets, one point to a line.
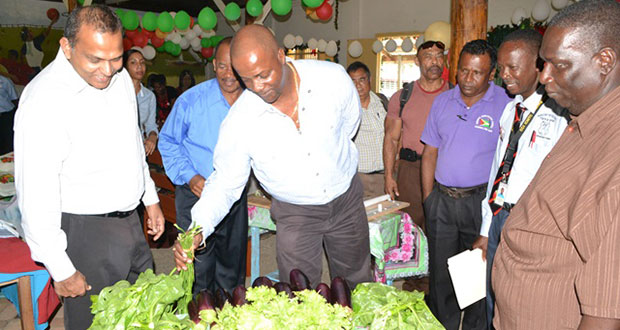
[431, 43]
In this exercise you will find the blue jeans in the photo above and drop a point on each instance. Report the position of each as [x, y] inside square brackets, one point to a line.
[495, 232]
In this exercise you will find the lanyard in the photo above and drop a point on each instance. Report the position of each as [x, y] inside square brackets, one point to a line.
[514, 140]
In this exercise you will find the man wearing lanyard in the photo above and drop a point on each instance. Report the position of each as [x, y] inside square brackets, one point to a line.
[294, 127]
[530, 126]
[460, 136]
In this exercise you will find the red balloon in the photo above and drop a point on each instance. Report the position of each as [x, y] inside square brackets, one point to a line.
[131, 33]
[53, 14]
[207, 52]
[157, 42]
[191, 21]
[140, 40]
[324, 11]
[127, 44]
[148, 34]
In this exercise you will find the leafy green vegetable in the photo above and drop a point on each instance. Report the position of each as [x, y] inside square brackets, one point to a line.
[379, 306]
[267, 309]
[186, 239]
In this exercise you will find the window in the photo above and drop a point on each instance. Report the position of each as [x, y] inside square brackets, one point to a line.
[397, 67]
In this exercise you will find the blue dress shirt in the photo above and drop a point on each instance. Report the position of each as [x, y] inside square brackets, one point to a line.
[7, 94]
[187, 139]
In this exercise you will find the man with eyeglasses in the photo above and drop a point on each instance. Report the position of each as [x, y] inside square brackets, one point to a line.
[460, 136]
[369, 138]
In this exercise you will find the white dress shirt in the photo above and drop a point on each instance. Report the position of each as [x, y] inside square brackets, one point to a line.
[309, 166]
[78, 150]
[536, 142]
[369, 138]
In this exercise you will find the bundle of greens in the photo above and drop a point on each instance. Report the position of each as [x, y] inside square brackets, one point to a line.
[186, 239]
[379, 306]
[268, 309]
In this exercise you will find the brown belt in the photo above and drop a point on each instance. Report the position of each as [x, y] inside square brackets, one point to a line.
[461, 192]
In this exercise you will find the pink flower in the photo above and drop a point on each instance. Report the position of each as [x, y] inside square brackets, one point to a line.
[407, 227]
[408, 240]
[393, 255]
[407, 256]
[407, 247]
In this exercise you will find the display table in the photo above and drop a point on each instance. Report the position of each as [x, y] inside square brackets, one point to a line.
[384, 228]
[17, 270]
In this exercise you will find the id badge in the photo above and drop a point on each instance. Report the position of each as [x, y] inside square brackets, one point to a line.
[502, 189]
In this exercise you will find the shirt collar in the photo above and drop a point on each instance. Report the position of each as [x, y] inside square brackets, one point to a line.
[531, 103]
[602, 110]
[488, 95]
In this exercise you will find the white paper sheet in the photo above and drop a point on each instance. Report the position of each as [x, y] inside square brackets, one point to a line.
[468, 272]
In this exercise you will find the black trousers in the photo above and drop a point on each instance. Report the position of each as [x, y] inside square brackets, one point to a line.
[341, 226]
[105, 251]
[452, 226]
[221, 264]
[6, 131]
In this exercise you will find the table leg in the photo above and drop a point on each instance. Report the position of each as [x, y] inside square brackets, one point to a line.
[255, 233]
[25, 303]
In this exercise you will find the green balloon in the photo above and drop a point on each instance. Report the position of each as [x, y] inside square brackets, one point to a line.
[120, 13]
[165, 22]
[182, 20]
[81, 2]
[130, 20]
[176, 51]
[254, 8]
[215, 40]
[161, 48]
[205, 42]
[281, 7]
[207, 18]
[169, 46]
[232, 12]
[312, 3]
[149, 21]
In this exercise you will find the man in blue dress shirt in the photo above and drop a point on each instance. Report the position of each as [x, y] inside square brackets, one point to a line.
[187, 141]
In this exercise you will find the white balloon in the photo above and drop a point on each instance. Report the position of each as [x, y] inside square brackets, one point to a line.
[377, 46]
[148, 52]
[541, 10]
[289, 41]
[170, 35]
[196, 48]
[518, 15]
[407, 45]
[331, 49]
[195, 43]
[184, 43]
[390, 46]
[190, 35]
[197, 29]
[312, 43]
[173, 13]
[176, 39]
[559, 4]
[207, 34]
[355, 49]
[321, 45]
[299, 40]
[138, 49]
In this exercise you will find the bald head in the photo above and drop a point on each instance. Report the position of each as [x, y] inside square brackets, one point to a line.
[259, 61]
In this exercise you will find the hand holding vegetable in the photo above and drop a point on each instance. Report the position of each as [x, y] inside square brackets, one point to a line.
[74, 286]
[180, 255]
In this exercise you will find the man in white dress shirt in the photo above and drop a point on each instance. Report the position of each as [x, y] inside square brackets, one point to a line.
[293, 126]
[529, 127]
[80, 168]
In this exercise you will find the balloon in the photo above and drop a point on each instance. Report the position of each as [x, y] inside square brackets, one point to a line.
[254, 8]
[207, 18]
[205, 42]
[190, 35]
[168, 46]
[170, 35]
[140, 40]
[80, 2]
[52, 13]
[131, 33]
[324, 12]
[312, 3]
[160, 49]
[541, 11]
[311, 12]
[438, 31]
[355, 49]
[176, 38]
[191, 22]
[165, 22]
[197, 29]
[281, 7]
[207, 52]
[130, 20]
[148, 52]
[559, 4]
[176, 51]
[127, 44]
[289, 41]
[377, 46]
[156, 41]
[312, 43]
[173, 13]
[407, 45]
[232, 12]
[149, 21]
[518, 15]
[390, 46]
[299, 40]
[184, 43]
[196, 43]
[331, 49]
[148, 34]
[321, 45]
[182, 20]
[196, 48]
[419, 41]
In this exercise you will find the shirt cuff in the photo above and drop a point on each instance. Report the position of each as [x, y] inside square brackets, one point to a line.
[484, 227]
[201, 219]
[187, 176]
[62, 268]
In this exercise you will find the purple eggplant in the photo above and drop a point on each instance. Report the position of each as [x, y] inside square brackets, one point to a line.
[262, 281]
[204, 300]
[323, 290]
[341, 294]
[299, 280]
[284, 287]
[192, 310]
[238, 296]
[221, 297]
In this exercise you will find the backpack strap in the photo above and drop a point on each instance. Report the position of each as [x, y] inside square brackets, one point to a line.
[404, 96]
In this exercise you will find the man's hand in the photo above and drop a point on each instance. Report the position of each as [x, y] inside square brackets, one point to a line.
[196, 184]
[155, 223]
[180, 257]
[74, 286]
[391, 187]
[481, 243]
[149, 144]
